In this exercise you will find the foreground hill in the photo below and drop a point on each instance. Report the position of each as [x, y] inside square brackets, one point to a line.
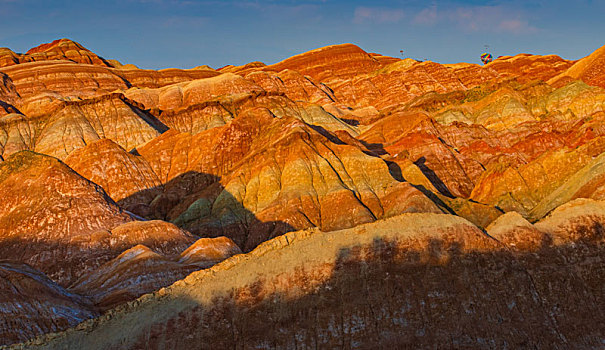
[398, 282]
[427, 201]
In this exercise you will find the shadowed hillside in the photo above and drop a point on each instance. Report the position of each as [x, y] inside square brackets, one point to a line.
[395, 283]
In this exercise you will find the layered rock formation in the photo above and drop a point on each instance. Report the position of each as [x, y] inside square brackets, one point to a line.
[65, 225]
[421, 194]
[141, 269]
[590, 69]
[122, 175]
[70, 230]
[61, 49]
[50, 215]
[32, 304]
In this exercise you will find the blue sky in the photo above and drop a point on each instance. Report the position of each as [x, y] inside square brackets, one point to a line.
[188, 33]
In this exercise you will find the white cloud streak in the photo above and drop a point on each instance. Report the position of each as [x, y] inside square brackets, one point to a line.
[377, 15]
[477, 18]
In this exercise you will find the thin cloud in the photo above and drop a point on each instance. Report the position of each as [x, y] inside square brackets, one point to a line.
[491, 18]
[477, 18]
[428, 16]
[516, 26]
[184, 22]
[377, 15]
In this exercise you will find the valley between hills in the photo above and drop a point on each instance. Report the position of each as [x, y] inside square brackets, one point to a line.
[335, 199]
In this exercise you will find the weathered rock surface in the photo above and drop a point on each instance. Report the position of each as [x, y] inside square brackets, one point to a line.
[209, 251]
[330, 64]
[50, 214]
[136, 271]
[268, 187]
[72, 125]
[64, 70]
[16, 134]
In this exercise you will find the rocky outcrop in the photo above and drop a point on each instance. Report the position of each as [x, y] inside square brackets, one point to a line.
[330, 64]
[141, 270]
[206, 252]
[55, 79]
[267, 186]
[151, 79]
[8, 94]
[294, 85]
[16, 134]
[65, 69]
[525, 68]
[191, 93]
[136, 271]
[50, 213]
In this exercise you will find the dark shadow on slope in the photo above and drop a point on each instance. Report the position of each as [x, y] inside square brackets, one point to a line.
[197, 202]
[377, 150]
[146, 115]
[72, 261]
[433, 197]
[351, 122]
[124, 80]
[9, 108]
[433, 177]
[328, 135]
[398, 295]
[395, 170]
[157, 202]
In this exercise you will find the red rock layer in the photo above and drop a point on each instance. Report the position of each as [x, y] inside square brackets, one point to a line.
[330, 64]
[61, 49]
[136, 271]
[62, 78]
[402, 81]
[209, 251]
[262, 169]
[72, 125]
[16, 134]
[120, 173]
